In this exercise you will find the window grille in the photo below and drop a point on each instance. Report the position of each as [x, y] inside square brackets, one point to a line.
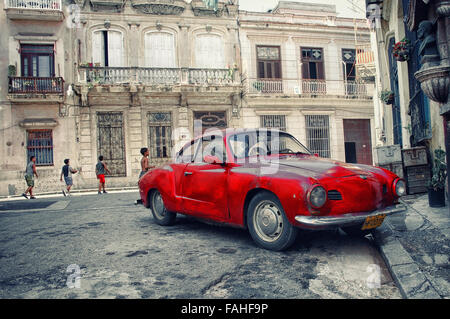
[318, 134]
[160, 134]
[274, 121]
[111, 141]
[40, 144]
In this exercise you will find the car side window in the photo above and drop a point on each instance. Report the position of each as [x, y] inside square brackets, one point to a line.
[186, 155]
[213, 146]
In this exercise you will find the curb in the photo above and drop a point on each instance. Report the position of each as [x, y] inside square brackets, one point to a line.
[410, 280]
[78, 191]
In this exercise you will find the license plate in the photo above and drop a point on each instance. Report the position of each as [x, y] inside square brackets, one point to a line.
[373, 221]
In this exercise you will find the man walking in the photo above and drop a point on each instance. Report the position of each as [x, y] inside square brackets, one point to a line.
[67, 172]
[30, 171]
[100, 170]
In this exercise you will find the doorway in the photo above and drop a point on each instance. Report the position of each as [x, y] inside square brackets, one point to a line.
[357, 138]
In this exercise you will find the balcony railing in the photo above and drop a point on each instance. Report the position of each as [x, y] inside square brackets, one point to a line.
[154, 76]
[36, 85]
[34, 4]
[364, 55]
[309, 87]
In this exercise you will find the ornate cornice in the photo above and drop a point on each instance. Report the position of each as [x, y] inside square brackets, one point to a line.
[200, 9]
[160, 7]
[107, 5]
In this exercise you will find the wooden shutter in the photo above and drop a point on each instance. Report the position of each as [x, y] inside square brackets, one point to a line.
[160, 50]
[209, 51]
[305, 70]
[98, 49]
[320, 71]
[115, 48]
[277, 70]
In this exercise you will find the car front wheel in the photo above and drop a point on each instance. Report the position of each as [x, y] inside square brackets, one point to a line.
[160, 214]
[268, 224]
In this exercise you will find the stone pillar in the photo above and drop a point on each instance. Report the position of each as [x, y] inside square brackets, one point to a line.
[85, 156]
[133, 52]
[135, 138]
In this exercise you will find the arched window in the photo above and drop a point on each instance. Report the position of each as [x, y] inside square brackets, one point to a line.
[209, 51]
[107, 48]
[160, 50]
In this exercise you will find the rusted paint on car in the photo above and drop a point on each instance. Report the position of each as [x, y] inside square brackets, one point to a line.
[218, 191]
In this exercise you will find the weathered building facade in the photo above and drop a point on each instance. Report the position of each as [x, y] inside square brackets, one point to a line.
[299, 66]
[83, 78]
[135, 74]
[412, 119]
[35, 65]
[413, 67]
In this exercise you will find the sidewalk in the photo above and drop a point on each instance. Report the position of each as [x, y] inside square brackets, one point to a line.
[416, 247]
[73, 192]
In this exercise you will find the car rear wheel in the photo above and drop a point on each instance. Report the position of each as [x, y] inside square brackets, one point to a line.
[160, 214]
[356, 231]
[268, 224]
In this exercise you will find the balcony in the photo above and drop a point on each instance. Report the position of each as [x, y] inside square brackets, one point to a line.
[35, 89]
[365, 63]
[42, 10]
[156, 76]
[161, 7]
[309, 88]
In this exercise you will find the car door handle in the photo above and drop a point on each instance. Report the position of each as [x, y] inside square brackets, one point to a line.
[187, 173]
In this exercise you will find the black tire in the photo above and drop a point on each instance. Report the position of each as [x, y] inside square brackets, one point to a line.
[268, 224]
[161, 215]
[356, 231]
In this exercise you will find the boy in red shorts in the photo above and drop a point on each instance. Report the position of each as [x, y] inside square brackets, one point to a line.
[100, 170]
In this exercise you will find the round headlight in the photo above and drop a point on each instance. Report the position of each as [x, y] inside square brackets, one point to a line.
[400, 187]
[317, 197]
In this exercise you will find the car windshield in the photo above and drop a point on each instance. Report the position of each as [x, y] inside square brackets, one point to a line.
[264, 142]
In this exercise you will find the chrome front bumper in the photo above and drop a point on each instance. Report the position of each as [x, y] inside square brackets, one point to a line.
[326, 222]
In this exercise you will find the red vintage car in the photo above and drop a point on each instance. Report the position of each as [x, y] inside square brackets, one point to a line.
[268, 182]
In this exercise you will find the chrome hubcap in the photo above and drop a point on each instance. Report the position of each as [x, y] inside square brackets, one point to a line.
[158, 205]
[268, 221]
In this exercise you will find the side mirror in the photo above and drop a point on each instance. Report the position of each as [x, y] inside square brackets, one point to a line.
[210, 159]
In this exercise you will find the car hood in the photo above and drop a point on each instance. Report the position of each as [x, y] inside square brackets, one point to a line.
[321, 167]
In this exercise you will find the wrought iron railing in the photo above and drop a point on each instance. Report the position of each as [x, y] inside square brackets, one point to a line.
[167, 76]
[34, 4]
[309, 87]
[47, 85]
[364, 55]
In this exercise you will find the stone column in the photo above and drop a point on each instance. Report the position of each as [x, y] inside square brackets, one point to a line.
[85, 156]
[135, 137]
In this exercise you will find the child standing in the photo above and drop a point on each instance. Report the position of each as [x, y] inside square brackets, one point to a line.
[100, 170]
[144, 161]
[67, 172]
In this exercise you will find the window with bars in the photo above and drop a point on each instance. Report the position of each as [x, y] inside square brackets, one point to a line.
[274, 121]
[111, 141]
[40, 145]
[318, 134]
[160, 134]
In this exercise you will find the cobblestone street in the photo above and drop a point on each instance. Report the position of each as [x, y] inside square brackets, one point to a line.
[122, 253]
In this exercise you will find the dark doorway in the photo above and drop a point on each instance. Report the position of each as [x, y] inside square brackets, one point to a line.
[350, 152]
[357, 138]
